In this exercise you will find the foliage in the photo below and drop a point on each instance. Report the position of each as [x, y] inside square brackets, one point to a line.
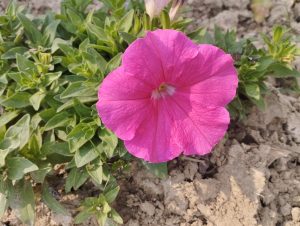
[50, 70]
[255, 65]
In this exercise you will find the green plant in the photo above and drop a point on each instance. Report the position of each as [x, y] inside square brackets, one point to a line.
[99, 207]
[49, 81]
[50, 70]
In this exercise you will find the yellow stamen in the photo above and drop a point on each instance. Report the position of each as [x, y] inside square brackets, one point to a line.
[162, 87]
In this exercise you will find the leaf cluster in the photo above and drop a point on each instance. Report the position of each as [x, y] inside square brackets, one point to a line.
[255, 65]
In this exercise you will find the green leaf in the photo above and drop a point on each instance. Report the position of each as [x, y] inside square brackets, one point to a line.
[277, 34]
[19, 133]
[61, 148]
[74, 17]
[39, 175]
[282, 71]
[108, 3]
[35, 121]
[50, 33]
[3, 204]
[146, 22]
[56, 42]
[47, 114]
[24, 64]
[7, 145]
[198, 33]
[18, 167]
[165, 19]
[79, 89]
[84, 45]
[82, 110]
[96, 173]
[116, 217]
[112, 194]
[265, 63]
[128, 38]
[7, 117]
[3, 78]
[109, 49]
[32, 149]
[67, 49]
[81, 133]
[114, 63]
[81, 69]
[3, 197]
[36, 99]
[97, 31]
[33, 34]
[75, 179]
[11, 53]
[51, 202]
[182, 24]
[18, 100]
[109, 142]
[83, 216]
[98, 58]
[48, 78]
[24, 81]
[21, 200]
[253, 91]
[2, 132]
[36, 140]
[85, 154]
[126, 22]
[101, 218]
[70, 103]
[59, 120]
[92, 63]
[4, 153]
[12, 8]
[160, 170]
[2, 89]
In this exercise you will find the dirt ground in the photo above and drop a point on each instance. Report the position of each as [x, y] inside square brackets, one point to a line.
[252, 177]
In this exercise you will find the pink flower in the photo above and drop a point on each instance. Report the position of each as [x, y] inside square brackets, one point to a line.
[168, 96]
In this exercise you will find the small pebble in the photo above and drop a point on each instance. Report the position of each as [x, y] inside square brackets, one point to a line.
[148, 208]
[286, 210]
[296, 214]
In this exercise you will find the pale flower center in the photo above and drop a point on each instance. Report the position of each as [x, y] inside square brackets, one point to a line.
[163, 91]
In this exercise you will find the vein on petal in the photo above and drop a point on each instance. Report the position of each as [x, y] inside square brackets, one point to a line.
[200, 131]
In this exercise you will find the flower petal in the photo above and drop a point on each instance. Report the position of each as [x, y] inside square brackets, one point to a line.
[154, 140]
[214, 80]
[155, 56]
[123, 103]
[191, 119]
[200, 128]
[211, 128]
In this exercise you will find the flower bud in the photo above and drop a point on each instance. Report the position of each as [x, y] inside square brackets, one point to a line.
[154, 7]
[175, 7]
[45, 58]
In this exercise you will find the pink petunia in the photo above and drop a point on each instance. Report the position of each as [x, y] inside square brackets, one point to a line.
[168, 97]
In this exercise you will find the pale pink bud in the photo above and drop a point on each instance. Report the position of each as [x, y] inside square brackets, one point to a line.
[154, 7]
[175, 7]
